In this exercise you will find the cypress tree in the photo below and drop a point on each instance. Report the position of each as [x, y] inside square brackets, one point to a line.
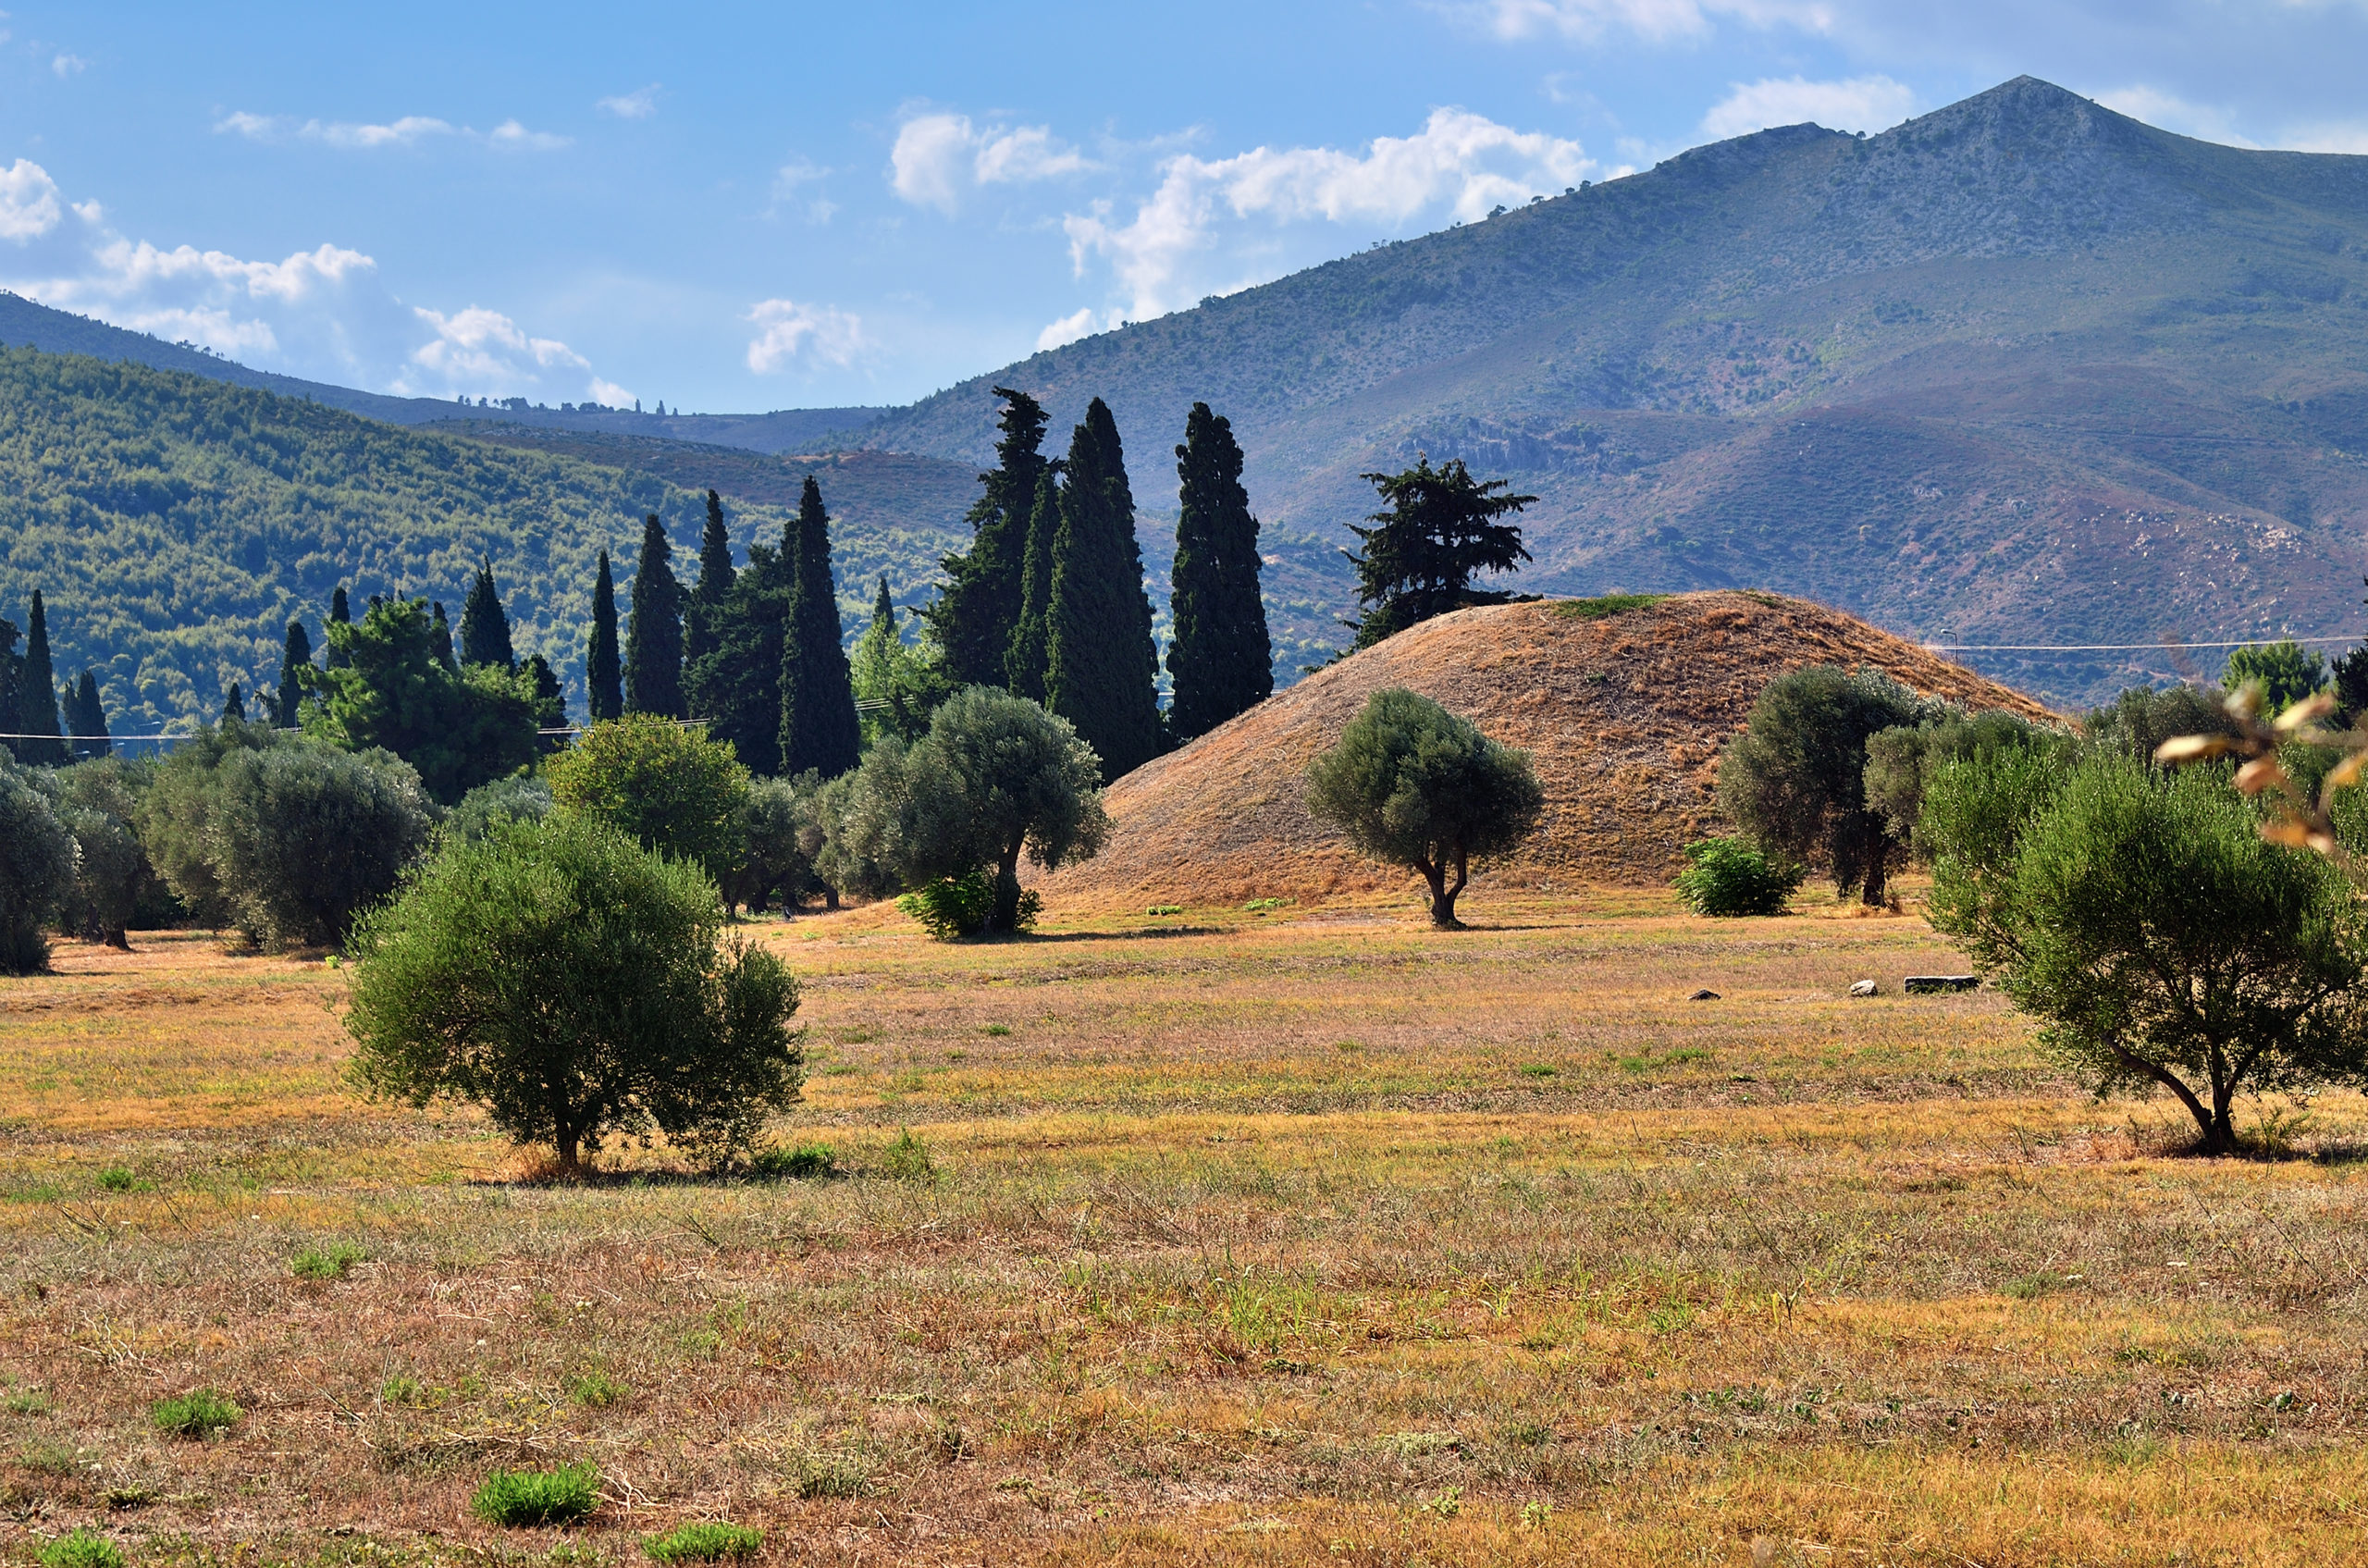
[654, 641]
[1221, 658]
[485, 625]
[818, 722]
[604, 692]
[551, 700]
[87, 717]
[1031, 648]
[12, 669]
[234, 703]
[736, 687]
[37, 697]
[707, 600]
[1102, 668]
[337, 658]
[295, 660]
[980, 606]
[440, 639]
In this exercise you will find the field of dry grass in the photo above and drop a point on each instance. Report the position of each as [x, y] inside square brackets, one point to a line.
[1306, 1235]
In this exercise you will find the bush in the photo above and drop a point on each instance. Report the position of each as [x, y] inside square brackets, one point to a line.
[2285, 672]
[518, 799]
[38, 859]
[526, 1499]
[951, 906]
[81, 1549]
[651, 779]
[596, 1390]
[332, 1262]
[304, 837]
[578, 986]
[907, 1159]
[1411, 783]
[200, 1413]
[2144, 717]
[807, 1162]
[2140, 915]
[1729, 876]
[704, 1542]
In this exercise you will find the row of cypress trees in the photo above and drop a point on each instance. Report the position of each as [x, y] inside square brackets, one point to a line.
[31, 703]
[1049, 600]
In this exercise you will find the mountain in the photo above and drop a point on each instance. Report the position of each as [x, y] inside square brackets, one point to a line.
[175, 522]
[30, 325]
[2023, 370]
[1622, 705]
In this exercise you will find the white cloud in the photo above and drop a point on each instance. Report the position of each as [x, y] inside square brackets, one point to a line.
[510, 135]
[484, 351]
[639, 103]
[1655, 21]
[1068, 329]
[411, 130]
[1459, 162]
[1862, 103]
[29, 204]
[789, 332]
[254, 128]
[70, 65]
[407, 132]
[2172, 113]
[937, 157]
[790, 179]
[609, 392]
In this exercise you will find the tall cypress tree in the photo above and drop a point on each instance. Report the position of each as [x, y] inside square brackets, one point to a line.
[1102, 670]
[1221, 658]
[1032, 640]
[485, 625]
[295, 660]
[12, 669]
[234, 703]
[551, 700]
[37, 697]
[707, 600]
[736, 687]
[604, 691]
[818, 722]
[86, 718]
[440, 639]
[976, 612]
[654, 641]
[337, 658]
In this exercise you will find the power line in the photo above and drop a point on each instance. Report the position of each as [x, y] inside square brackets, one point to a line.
[2166, 646]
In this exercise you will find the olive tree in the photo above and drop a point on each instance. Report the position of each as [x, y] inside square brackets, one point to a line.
[97, 802]
[1413, 785]
[668, 786]
[1901, 760]
[578, 986]
[304, 836]
[37, 865]
[776, 857]
[1796, 779]
[2142, 917]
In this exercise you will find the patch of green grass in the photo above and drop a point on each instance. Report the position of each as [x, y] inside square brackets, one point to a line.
[597, 1390]
[28, 1401]
[199, 1413]
[705, 1541]
[118, 1178]
[907, 1159]
[334, 1261]
[1605, 604]
[997, 1029]
[526, 1499]
[1164, 910]
[834, 1475]
[807, 1161]
[81, 1548]
[49, 1457]
[1540, 1070]
[1260, 906]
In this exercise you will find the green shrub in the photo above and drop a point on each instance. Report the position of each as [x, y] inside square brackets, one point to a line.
[332, 1262]
[704, 1542]
[805, 1163]
[116, 1179]
[81, 1548]
[907, 1159]
[1604, 605]
[596, 1390]
[524, 1498]
[671, 788]
[951, 906]
[1164, 910]
[200, 1413]
[1731, 876]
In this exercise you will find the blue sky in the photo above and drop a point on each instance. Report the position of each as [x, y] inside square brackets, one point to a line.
[737, 208]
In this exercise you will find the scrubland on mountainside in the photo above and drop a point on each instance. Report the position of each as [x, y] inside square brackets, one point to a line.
[1296, 1234]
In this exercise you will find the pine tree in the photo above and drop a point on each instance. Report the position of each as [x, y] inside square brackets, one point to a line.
[87, 718]
[37, 697]
[440, 639]
[1221, 658]
[485, 625]
[980, 606]
[604, 693]
[654, 641]
[707, 600]
[337, 658]
[295, 663]
[1031, 648]
[818, 723]
[1102, 669]
[1420, 554]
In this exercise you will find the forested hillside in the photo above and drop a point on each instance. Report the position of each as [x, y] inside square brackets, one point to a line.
[174, 523]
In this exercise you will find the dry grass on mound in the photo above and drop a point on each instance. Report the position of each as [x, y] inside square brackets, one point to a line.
[1623, 715]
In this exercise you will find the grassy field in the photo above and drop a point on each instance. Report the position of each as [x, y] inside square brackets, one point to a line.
[1303, 1235]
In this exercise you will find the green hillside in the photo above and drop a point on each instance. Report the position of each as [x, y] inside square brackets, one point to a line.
[174, 523]
[2021, 370]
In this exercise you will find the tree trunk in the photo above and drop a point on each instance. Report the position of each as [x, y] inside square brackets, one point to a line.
[118, 938]
[830, 899]
[1002, 915]
[1877, 872]
[1443, 893]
